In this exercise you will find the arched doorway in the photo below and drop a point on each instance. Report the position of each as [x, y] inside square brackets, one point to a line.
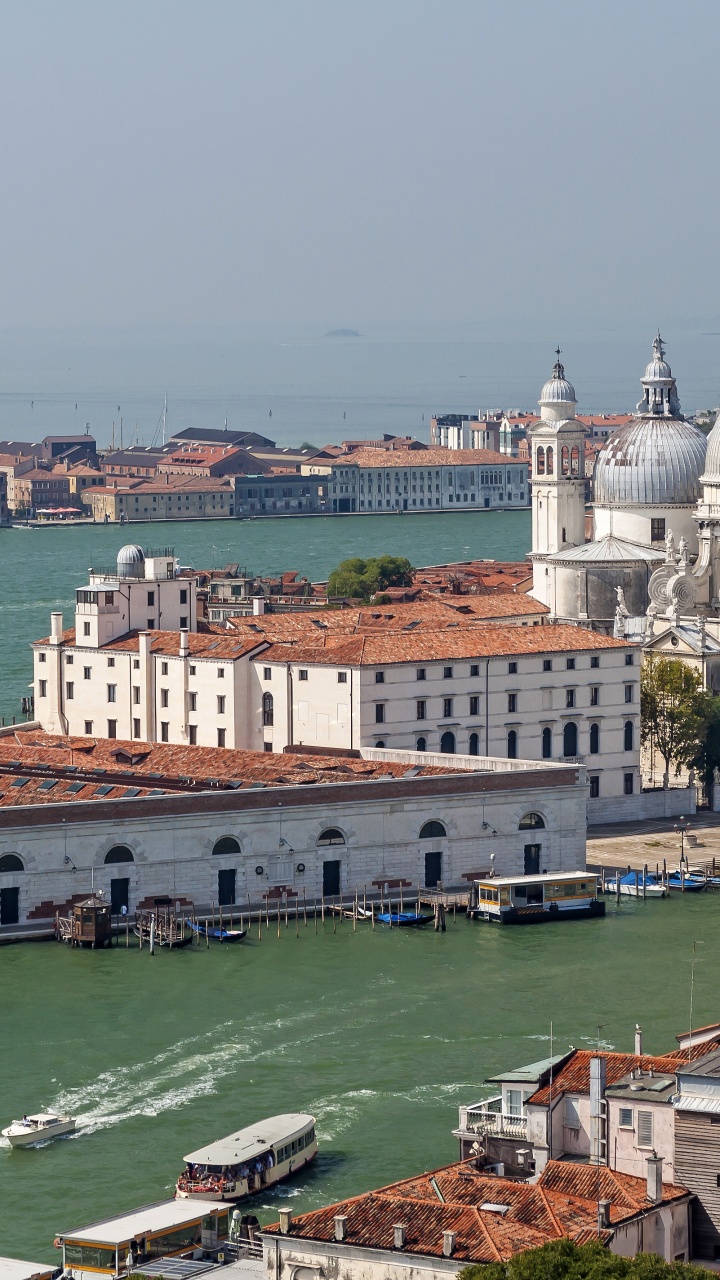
[447, 743]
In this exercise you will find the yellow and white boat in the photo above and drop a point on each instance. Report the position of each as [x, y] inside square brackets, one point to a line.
[249, 1160]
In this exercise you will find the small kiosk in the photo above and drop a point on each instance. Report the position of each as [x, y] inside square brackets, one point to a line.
[560, 895]
[88, 925]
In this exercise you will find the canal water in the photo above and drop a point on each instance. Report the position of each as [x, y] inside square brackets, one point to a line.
[41, 569]
[380, 1034]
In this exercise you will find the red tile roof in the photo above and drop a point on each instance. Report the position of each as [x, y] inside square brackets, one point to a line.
[574, 1076]
[562, 1204]
[424, 458]
[211, 644]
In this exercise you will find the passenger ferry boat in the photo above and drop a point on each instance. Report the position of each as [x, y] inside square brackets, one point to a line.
[560, 895]
[249, 1160]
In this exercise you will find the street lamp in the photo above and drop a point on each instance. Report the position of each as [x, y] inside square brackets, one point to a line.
[682, 826]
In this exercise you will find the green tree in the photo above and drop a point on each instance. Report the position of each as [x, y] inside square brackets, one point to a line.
[563, 1260]
[707, 759]
[360, 579]
[675, 710]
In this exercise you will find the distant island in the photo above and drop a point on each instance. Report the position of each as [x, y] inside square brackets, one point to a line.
[343, 333]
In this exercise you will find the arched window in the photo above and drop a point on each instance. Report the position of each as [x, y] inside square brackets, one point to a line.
[226, 845]
[447, 743]
[331, 835]
[474, 745]
[570, 739]
[565, 460]
[267, 708]
[512, 744]
[575, 461]
[550, 460]
[629, 735]
[11, 862]
[547, 743]
[594, 739]
[532, 822]
[540, 461]
[380, 743]
[433, 831]
[421, 744]
[118, 853]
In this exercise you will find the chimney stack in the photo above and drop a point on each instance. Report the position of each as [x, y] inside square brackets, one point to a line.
[399, 1235]
[654, 1178]
[449, 1238]
[258, 605]
[638, 1039]
[285, 1220]
[598, 1116]
[184, 644]
[56, 628]
[340, 1226]
[603, 1215]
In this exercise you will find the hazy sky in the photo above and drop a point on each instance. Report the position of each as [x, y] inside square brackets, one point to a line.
[339, 161]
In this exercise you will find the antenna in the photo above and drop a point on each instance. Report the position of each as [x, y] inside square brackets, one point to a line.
[164, 419]
[550, 1095]
[692, 992]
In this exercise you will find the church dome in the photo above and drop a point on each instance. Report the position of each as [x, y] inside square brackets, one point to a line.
[712, 457]
[658, 458]
[558, 390]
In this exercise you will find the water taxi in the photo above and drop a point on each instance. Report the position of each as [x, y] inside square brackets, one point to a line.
[39, 1128]
[249, 1160]
[559, 895]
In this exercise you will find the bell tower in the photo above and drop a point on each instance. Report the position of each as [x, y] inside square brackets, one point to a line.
[558, 468]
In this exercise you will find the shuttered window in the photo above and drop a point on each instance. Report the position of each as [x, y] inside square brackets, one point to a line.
[644, 1128]
[626, 1118]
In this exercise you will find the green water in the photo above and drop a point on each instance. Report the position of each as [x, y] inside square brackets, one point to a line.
[41, 569]
[380, 1034]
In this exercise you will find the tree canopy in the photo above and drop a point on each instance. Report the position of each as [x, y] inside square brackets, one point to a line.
[675, 710]
[563, 1260]
[361, 579]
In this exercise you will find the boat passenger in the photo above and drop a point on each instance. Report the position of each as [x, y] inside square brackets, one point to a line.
[270, 1160]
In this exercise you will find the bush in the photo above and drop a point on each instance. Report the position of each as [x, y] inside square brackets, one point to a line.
[563, 1260]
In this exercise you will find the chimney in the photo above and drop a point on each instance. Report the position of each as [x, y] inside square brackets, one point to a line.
[285, 1220]
[598, 1120]
[56, 628]
[654, 1178]
[184, 644]
[638, 1039]
[258, 605]
[399, 1235]
[603, 1215]
[449, 1238]
[340, 1226]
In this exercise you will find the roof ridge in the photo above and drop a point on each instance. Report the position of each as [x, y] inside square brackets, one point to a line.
[486, 1229]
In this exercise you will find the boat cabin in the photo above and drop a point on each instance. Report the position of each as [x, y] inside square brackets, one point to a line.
[249, 1160]
[559, 895]
[168, 1229]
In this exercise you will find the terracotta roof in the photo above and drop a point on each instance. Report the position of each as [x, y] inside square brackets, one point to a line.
[211, 644]
[574, 1077]
[425, 615]
[563, 1203]
[424, 458]
[118, 765]
[427, 646]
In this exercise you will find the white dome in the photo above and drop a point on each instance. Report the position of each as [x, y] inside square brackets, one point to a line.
[651, 462]
[558, 390]
[131, 561]
[712, 457]
[658, 369]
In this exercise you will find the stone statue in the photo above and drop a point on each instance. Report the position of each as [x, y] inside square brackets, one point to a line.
[683, 551]
[669, 545]
[622, 608]
[716, 776]
[650, 626]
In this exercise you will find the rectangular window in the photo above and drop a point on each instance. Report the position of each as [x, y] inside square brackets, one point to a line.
[625, 1118]
[420, 673]
[136, 664]
[192, 671]
[267, 673]
[183, 623]
[474, 670]
[41, 657]
[302, 675]
[163, 668]
[136, 694]
[164, 697]
[151, 597]
[447, 673]
[594, 787]
[183, 595]
[547, 664]
[379, 677]
[69, 690]
[512, 668]
[629, 659]
[112, 693]
[379, 712]
[221, 705]
[569, 697]
[420, 708]
[136, 728]
[474, 705]
[221, 673]
[644, 1128]
[150, 624]
[342, 677]
[657, 530]
[595, 660]
[164, 731]
[42, 689]
[86, 628]
[628, 783]
[570, 664]
[192, 698]
[514, 1102]
[447, 707]
[267, 746]
[111, 662]
[87, 673]
[594, 695]
[221, 737]
[192, 734]
[512, 702]
[69, 660]
[629, 692]
[112, 728]
[88, 726]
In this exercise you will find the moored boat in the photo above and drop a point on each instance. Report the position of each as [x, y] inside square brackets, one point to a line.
[250, 1160]
[403, 919]
[631, 886]
[205, 930]
[559, 895]
[38, 1128]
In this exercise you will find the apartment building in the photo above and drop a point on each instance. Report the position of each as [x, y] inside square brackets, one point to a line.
[431, 479]
[285, 493]
[169, 497]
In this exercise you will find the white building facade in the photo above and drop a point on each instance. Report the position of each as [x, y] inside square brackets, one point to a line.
[382, 480]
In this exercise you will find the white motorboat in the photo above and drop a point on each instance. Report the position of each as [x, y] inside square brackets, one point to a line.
[630, 887]
[38, 1128]
[249, 1160]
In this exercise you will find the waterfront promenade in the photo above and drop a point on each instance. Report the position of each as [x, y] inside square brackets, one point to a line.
[635, 844]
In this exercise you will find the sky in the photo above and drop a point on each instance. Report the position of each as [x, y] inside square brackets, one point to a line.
[345, 162]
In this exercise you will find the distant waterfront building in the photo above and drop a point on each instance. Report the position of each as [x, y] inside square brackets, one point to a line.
[168, 497]
[439, 479]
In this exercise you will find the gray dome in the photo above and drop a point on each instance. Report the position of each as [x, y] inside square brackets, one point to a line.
[658, 369]
[651, 461]
[131, 561]
[558, 390]
[712, 457]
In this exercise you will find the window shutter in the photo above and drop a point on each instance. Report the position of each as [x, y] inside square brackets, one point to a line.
[644, 1128]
